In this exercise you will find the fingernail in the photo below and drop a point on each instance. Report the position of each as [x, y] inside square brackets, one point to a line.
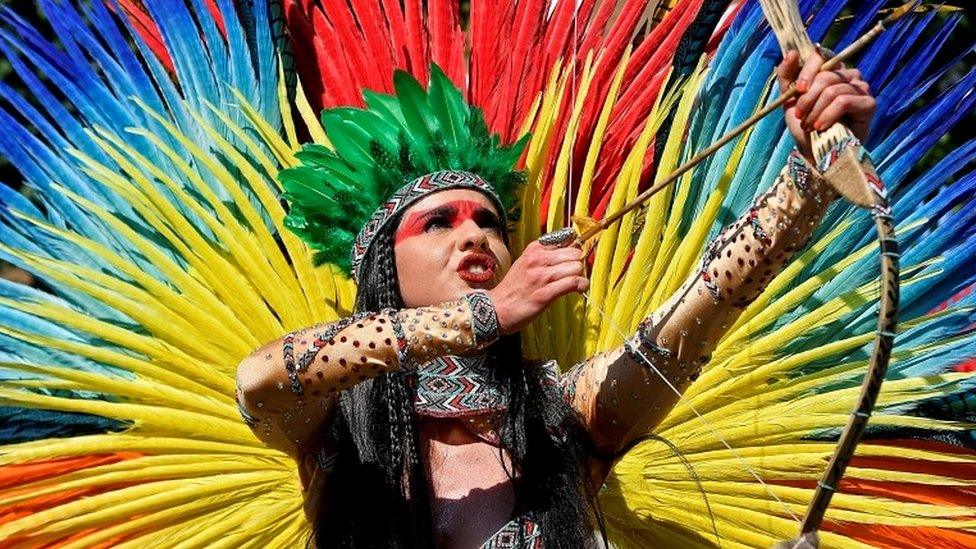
[819, 126]
[801, 85]
[799, 114]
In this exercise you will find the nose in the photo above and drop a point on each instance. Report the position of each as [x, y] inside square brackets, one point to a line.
[471, 236]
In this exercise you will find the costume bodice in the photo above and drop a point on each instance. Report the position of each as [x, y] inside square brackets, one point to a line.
[456, 400]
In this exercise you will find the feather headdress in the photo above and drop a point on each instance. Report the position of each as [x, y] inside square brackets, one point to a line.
[379, 163]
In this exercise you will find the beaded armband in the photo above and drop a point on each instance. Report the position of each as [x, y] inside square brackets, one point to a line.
[643, 349]
[484, 319]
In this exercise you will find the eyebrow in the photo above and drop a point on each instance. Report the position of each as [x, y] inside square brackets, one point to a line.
[487, 214]
[450, 209]
[444, 209]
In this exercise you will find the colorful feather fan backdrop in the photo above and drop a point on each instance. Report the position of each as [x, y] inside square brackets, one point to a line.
[150, 141]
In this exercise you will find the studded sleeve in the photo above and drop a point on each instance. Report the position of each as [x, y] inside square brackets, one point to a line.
[619, 396]
[286, 389]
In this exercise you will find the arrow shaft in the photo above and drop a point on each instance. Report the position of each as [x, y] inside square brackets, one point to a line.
[790, 93]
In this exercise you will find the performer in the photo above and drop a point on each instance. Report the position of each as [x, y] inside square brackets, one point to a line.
[416, 422]
[155, 140]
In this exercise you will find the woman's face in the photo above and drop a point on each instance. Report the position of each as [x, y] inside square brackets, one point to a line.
[448, 244]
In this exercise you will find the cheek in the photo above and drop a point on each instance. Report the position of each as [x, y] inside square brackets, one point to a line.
[411, 259]
[501, 252]
[418, 263]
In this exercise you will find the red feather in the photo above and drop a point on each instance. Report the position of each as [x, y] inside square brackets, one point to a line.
[146, 28]
[376, 43]
[398, 32]
[341, 87]
[417, 41]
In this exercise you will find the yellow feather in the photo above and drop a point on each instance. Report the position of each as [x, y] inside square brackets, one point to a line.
[150, 420]
[283, 153]
[309, 118]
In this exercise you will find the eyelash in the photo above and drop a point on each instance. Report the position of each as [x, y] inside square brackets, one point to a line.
[436, 222]
[490, 224]
[441, 222]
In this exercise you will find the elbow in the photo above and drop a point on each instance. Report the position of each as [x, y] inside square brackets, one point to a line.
[254, 380]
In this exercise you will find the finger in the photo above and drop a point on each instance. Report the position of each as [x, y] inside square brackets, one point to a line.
[830, 95]
[821, 81]
[850, 74]
[811, 66]
[863, 86]
[858, 107]
[532, 249]
[788, 70]
[562, 255]
[563, 270]
[565, 286]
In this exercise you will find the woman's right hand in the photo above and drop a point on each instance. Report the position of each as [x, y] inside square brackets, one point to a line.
[538, 277]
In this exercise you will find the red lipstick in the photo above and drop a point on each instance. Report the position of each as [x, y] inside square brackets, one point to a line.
[476, 268]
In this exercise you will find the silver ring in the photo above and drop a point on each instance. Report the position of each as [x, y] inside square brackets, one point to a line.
[559, 238]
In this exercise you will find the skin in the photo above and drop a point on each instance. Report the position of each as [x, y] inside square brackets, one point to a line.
[826, 98]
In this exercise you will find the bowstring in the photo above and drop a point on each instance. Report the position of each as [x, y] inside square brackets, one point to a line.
[711, 428]
[606, 318]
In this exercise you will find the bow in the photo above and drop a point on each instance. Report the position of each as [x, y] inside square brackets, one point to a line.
[852, 174]
[850, 171]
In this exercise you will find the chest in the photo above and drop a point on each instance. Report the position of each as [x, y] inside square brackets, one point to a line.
[470, 483]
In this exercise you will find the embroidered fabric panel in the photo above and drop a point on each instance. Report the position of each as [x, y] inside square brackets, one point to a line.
[484, 319]
[287, 387]
[453, 386]
[619, 395]
[508, 537]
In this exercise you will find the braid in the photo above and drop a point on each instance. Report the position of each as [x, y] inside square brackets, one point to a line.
[365, 500]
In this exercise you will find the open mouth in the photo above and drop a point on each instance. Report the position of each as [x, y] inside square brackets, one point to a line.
[476, 267]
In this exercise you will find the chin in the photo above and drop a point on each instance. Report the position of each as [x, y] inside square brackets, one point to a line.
[471, 285]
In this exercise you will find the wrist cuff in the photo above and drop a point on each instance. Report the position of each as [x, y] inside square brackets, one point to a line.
[484, 319]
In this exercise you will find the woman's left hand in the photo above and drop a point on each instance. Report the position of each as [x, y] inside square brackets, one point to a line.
[825, 98]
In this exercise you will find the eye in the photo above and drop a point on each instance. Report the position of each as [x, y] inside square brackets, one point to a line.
[436, 222]
[490, 224]
[490, 221]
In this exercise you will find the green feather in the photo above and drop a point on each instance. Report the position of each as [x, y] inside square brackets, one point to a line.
[448, 106]
[419, 118]
[377, 150]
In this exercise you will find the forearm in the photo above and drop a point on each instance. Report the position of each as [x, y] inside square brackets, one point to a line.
[286, 387]
[626, 392]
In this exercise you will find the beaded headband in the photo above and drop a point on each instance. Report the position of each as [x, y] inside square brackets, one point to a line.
[341, 196]
[407, 195]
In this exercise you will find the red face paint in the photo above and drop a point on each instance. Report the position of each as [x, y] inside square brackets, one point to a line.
[450, 215]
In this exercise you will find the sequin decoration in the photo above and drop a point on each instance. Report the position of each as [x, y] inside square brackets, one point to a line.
[288, 355]
[798, 171]
[249, 419]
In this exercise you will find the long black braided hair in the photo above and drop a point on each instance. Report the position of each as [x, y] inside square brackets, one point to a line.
[377, 494]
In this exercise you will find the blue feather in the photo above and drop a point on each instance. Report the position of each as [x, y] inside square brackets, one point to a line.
[24, 425]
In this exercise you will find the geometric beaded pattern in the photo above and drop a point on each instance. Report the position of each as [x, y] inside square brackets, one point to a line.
[798, 171]
[453, 386]
[407, 195]
[509, 536]
[484, 319]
